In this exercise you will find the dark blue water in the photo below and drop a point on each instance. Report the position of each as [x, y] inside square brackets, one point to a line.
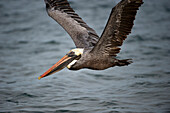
[31, 42]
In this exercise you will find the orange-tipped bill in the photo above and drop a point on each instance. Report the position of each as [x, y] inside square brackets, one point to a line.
[62, 63]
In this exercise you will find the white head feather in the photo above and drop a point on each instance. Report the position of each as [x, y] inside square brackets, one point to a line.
[77, 51]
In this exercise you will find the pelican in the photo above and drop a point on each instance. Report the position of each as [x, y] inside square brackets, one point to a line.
[92, 51]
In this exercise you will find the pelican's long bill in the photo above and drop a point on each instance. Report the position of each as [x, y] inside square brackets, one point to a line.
[62, 63]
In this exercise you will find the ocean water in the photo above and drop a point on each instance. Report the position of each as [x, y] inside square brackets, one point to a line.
[31, 42]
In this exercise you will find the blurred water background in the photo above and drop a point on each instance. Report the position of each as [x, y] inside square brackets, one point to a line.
[31, 42]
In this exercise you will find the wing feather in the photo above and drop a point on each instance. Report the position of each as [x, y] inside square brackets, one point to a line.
[82, 35]
[118, 27]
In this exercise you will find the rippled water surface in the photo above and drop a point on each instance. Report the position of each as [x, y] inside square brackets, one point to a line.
[31, 42]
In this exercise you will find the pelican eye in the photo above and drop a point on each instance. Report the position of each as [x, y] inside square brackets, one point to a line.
[71, 54]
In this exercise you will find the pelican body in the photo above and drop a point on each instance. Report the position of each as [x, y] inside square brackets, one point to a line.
[92, 51]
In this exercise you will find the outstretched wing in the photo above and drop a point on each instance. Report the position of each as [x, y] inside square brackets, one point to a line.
[118, 27]
[82, 35]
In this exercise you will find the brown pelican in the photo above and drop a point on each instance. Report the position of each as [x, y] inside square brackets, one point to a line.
[92, 51]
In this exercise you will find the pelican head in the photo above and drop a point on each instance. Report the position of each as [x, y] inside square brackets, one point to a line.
[68, 60]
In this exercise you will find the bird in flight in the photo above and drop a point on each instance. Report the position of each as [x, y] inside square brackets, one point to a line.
[92, 51]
